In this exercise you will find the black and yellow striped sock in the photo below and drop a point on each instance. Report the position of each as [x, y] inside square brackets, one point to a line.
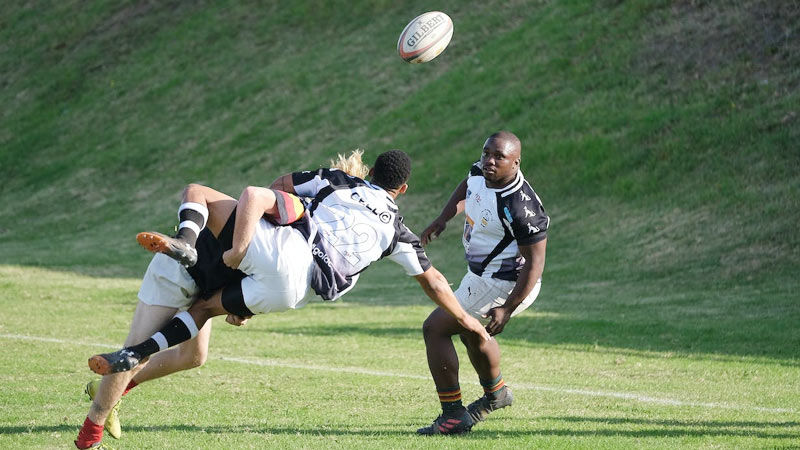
[494, 387]
[450, 399]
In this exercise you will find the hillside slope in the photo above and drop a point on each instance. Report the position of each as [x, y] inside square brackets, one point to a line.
[661, 135]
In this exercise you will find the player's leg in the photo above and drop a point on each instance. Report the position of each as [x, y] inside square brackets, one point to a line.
[484, 294]
[201, 207]
[438, 330]
[166, 287]
[146, 319]
[188, 355]
[485, 358]
[184, 326]
[279, 264]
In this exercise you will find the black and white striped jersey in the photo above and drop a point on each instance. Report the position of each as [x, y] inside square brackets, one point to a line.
[497, 222]
[352, 223]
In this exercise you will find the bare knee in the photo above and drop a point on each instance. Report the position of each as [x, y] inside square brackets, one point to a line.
[428, 327]
[438, 323]
[198, 359]
[193, 357]
[191, 188]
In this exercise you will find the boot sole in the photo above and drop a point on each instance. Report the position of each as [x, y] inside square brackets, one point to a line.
[158, 243]
[99, 365]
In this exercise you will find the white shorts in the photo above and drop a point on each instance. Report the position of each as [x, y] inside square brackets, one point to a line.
[477, 295]
[167, 283]
[278, 266]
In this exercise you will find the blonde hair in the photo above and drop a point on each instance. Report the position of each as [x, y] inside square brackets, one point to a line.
[352, 165]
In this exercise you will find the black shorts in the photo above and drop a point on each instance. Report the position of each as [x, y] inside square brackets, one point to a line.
[210, 273]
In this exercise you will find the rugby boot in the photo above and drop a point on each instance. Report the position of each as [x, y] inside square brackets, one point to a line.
[480, 408]
[112, 424]
[119, 361]
[176, 249]
[458, 422]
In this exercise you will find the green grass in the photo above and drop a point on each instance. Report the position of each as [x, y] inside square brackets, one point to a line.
[353, 375]
[661, 135]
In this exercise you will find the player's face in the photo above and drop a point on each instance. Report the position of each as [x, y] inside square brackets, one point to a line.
[499, 162]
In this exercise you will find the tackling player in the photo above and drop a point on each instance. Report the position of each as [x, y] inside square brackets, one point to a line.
[505, 237]
[348, 224]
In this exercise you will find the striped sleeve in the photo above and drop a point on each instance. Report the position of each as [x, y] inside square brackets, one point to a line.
[407, 251]
[308, 183]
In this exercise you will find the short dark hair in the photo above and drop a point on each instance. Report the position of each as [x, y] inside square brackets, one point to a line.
[391, 169]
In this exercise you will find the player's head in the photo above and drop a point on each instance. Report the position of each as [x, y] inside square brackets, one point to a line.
[501, 157]
[391, 170]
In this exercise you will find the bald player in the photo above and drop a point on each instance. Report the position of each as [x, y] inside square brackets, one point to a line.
[505, 237]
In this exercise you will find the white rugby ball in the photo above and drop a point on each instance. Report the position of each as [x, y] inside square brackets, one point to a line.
[425, 37]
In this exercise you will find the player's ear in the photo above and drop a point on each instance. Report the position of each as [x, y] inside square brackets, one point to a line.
[402, 189]
[371, 172]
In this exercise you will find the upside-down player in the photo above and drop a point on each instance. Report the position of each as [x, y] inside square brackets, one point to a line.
[193, 353]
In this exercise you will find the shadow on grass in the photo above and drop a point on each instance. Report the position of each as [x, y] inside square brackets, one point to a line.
[620, 337]
[610, 427]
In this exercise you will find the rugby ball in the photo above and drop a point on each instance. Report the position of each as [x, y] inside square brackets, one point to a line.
[425, 37]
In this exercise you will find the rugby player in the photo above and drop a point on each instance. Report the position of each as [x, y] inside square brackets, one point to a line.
[348, 224]
[505, 237]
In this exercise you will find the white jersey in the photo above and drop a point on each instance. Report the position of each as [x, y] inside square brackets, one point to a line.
[351, 223]
[497, 222]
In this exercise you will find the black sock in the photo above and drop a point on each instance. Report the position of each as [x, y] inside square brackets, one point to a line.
[180, 329]
[192, 218]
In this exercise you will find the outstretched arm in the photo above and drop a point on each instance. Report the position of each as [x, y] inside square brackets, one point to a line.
[436, 287]
[253, 204]
[453, 207]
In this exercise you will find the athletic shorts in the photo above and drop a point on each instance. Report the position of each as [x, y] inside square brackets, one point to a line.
[167, 283]
[477, 295]
[278, 266]
[274, 274]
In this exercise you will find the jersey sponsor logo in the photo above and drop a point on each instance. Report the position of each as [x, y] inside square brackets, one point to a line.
[468, 224]
[485, 217]
[528, 212]
[524, 196]
[532, 229]
[508, 214]
[319, 253]
[384, 216]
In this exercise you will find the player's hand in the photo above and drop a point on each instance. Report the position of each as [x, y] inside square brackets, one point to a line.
[498, 318]
[433, 230]
[472, 324]
[232, 258]
[235, 320]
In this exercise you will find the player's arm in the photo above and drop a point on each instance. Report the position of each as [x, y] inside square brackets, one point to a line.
[436, 287]
[253, 204]
[453, 207]
[529, 275]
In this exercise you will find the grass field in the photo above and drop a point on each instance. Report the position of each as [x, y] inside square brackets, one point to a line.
[661, 135]
[353, 375]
